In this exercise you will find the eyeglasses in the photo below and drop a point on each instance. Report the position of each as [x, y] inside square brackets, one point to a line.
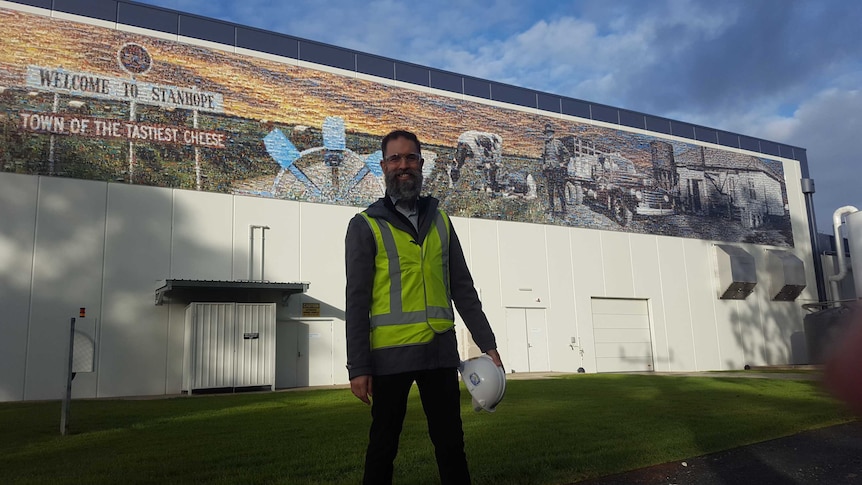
[409, 158]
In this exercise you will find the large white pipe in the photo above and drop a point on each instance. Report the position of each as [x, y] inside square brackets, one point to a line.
[251, 250]
[853, 228]
[837, 217]
[251, 253]
[262, 249]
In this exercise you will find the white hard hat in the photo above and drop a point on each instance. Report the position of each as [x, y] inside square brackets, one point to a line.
[485, 381]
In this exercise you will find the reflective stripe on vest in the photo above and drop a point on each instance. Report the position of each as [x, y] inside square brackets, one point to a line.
[411, 298]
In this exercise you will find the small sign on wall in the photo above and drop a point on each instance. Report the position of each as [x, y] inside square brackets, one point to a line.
[311, 309]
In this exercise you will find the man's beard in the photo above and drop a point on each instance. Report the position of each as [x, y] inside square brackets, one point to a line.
[407, 189]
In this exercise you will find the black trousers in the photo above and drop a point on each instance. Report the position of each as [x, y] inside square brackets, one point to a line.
[555, 179]
[441, 401]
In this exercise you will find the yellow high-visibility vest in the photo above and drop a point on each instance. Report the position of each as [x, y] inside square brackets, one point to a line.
[411, 300]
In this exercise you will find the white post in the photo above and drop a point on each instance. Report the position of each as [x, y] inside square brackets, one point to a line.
[262, 249]
[131, 143]
[197, 154]
[67, 396]
[52, 139]
[251, 253]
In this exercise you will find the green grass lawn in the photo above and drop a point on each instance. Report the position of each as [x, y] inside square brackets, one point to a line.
[549, 431]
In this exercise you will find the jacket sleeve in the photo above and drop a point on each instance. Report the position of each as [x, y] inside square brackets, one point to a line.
[359, 251]
[466, 298]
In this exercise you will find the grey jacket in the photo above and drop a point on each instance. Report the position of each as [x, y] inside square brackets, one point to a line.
[360, 250]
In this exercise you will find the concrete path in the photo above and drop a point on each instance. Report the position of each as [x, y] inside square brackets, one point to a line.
[830, 455]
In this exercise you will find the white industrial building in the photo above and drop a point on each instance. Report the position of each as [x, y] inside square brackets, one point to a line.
[188, 290]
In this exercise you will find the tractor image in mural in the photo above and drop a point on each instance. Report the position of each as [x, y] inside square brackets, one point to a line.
[611, 183]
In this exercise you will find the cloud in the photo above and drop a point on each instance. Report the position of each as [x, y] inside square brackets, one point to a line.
[828, 126]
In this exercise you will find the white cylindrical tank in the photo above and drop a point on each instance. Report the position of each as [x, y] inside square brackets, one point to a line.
[854, 238]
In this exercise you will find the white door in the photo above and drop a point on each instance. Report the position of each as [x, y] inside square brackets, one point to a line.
[210, 345]
[255, 345]
[286, 355]
[527, 349]
[302, 363]
[305, 353]
[621, 330]
[319, 353]
[517, 357]
[537, 339]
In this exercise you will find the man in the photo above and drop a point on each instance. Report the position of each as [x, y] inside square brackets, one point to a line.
[405, 266]
[555, 159]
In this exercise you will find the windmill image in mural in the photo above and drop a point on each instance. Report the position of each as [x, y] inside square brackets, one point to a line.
[328, 173]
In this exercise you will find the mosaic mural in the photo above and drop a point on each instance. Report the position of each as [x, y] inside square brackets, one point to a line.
[88, 102]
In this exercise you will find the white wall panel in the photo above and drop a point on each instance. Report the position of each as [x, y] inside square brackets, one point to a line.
[702, 297]
[729, 333]
[617, 264]
[282, 257]
[647, 284]
[780, 319]
[561, 315]
[322, 229]
[67, 275]
[523, 265]
[586, 247]
[175, 347]
[18, 195]
[479, 242]
[133, 338]
[202, 239]
[675, 298]
[751, 327]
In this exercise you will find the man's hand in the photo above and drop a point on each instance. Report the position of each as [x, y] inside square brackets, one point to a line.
[495, 356]
[361, 388]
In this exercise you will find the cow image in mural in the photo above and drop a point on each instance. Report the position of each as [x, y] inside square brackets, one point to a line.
[477, 160]
[478, 165]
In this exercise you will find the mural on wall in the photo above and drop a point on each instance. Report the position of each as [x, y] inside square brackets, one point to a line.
[88, 102]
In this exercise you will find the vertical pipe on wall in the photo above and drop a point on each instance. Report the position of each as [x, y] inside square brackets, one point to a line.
[251, 253]
[262, 249]
[251, 250]
[808, 192]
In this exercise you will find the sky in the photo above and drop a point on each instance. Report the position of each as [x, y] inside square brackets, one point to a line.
[788, 71]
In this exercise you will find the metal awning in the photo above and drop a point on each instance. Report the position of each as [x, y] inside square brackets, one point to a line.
[214, 290]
